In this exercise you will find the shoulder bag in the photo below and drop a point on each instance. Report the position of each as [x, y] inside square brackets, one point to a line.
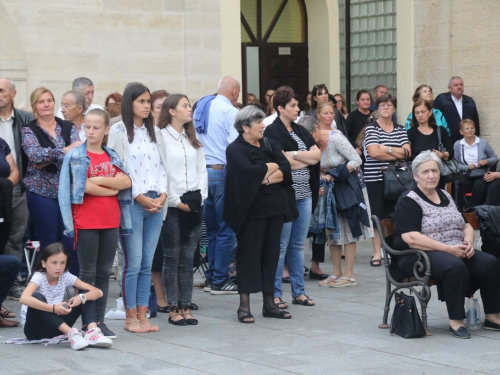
[449, 168]
[406, 321]
[398, 178]
[476, 173]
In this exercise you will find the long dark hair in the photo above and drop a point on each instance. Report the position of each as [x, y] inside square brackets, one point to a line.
[432, 119]
[317, 89]
[171, 102]
[131, 93]
[53, 249]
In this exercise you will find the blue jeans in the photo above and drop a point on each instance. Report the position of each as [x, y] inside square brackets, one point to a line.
[9, 268]
[292, 241]
[49, 227]
[221, 239]
[138, 250]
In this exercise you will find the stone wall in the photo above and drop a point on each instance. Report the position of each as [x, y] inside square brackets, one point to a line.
[461, 37]
[165, 44]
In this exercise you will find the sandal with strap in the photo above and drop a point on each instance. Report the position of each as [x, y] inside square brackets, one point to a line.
[147, 324]
[6, 313]
[281, 304]
[328, 282]
[343, 282]
[245, 316]
[376, 262]
[174, 318]
[275, 312]
[190, 319]
[304, 302]
[127, 324]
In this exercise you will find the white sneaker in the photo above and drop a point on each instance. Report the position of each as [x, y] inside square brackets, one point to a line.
[94, 337]
[76, 340]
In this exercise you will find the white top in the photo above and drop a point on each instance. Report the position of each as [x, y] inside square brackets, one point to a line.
[7, 133]
[186, 167]
[92, 106]
[144, 164]
[53, 294]
[81, 133]
[471, 153]
[458, 104]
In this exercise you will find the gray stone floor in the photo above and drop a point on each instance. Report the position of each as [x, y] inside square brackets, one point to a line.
[337, 336]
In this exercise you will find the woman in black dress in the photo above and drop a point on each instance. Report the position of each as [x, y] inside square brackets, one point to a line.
[254, 208]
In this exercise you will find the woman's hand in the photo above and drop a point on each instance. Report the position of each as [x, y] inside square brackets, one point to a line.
[62, 308]
[328, 178]
[439, 154]
[184, 207]
[469, 250]
[75, 301]
[149, 204]
[491, 176]
[458, 250]
[321, 191]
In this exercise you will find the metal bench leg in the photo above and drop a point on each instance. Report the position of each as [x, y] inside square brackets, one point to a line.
[388, 297]
[424, 318]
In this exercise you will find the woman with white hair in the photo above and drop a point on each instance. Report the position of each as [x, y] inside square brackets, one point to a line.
[427, 219]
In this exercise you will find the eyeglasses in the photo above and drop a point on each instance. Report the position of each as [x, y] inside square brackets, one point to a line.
[385, 105]
[467, 129]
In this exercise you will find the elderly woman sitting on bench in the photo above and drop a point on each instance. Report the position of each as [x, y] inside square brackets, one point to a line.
[427, 219]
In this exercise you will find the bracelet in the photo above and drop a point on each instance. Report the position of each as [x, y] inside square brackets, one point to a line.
[268, 181]
[53, 309]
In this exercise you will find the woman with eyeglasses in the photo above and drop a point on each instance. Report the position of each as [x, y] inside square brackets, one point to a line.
[384, 142]
[341, 104]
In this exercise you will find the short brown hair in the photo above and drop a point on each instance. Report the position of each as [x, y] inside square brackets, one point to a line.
[467, 121]
[283, 96]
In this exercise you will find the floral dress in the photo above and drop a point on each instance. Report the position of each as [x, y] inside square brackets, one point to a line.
[339, 151]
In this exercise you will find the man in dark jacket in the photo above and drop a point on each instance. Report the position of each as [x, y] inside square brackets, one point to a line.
[11, 122]
[456, 107]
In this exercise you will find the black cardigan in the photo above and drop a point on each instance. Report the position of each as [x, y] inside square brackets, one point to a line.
[245, 172]
[279, 134]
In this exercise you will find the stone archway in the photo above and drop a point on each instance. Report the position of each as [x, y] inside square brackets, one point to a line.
[13, 63]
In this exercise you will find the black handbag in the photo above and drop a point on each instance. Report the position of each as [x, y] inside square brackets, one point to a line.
[406, 321]
[476, 173]
[398, 178]
[449, 168]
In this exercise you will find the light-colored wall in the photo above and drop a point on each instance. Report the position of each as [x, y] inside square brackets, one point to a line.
[166, 44]
[405, 58]
[461, 37]
[323, 40]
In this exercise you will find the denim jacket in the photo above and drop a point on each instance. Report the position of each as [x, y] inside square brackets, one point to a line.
[325, 214]
[73, 178]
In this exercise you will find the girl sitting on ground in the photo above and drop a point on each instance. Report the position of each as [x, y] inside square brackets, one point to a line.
[45, 314]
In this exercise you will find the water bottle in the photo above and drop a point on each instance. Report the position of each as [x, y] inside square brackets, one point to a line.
[473, 319]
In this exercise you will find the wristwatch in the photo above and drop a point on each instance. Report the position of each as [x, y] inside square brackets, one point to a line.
[83, 297]
[295, 155]
[389, 150]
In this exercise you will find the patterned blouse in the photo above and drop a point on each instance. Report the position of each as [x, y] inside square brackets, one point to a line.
[338, 151]
[39, 181]
[300, 177]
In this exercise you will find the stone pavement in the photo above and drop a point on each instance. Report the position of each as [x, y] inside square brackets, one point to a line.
[337, 336]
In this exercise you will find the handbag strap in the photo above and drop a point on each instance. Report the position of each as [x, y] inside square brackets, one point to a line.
[266, 142]
[441, 147]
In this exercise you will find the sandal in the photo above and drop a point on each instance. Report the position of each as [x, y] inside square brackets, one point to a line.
[304, 302]
[245, 316]
[4, 313]
[376, 262]
[176, 319]
[143, 311]
[275, 312]
[127, 324]
[344, 281]
[188, 317]
[328, 282]
[281, 304]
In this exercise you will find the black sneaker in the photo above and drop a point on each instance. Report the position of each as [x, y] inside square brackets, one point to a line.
[106, 331]
[227, 288]
[15, 293]
[208, 285]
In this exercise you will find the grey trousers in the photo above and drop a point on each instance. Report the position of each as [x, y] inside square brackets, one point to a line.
[19, 221]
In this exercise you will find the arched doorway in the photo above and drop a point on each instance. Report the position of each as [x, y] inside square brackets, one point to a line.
[274, 46]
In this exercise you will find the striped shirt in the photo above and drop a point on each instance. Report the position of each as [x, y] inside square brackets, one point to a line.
[53, 294]
[300, 177]
[376, 135]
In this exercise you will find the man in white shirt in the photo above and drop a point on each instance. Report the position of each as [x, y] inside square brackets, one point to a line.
[220, 132]
[457, 107]
[86, 87]
[11, 122]
[73, 106]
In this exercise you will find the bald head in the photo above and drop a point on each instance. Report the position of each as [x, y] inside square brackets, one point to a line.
[230, 88]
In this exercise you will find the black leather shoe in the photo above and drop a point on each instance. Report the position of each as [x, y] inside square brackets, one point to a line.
[491, 326]
[460, 333]
[318, 276]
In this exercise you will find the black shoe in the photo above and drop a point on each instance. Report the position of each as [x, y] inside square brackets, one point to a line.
[106, 331]
[208, 285]
[163, 309]
[226, 288]
[460, 333]
[318, 276]
[192, 306]
[178, 322]
[286, 280]
[275, 312]
[491, 326]
[306, 270]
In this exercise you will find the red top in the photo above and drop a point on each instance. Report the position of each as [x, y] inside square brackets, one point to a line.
[98, 212]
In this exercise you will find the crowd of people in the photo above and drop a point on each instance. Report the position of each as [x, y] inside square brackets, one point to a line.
[142, 173]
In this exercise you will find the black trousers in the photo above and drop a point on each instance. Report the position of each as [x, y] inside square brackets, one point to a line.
[45, 325]
[460, 278]
[318, 250]
[258, 253]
